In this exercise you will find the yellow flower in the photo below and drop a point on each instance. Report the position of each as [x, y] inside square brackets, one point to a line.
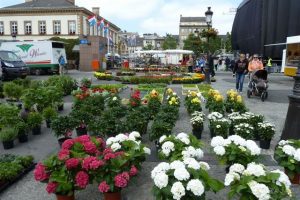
[218, 97]
[173, 99]
[196, 101]
[153, 93]
[193, 94]
[169, 91]
[239, 99]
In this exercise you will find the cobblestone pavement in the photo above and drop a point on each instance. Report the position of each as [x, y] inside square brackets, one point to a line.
[274, 109]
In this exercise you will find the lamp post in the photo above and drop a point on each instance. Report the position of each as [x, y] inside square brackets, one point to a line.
[208, 19]
[291, 128]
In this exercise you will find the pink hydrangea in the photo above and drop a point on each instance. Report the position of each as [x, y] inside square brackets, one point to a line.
[125, 175]
[40, 172]
[90, 147]
[84, 138]
[103, 187]
[133, 171]
[109, 156]
[67, 144]
[51, 187]
[72, 163]
[121, 181]
[91, 163]
[107, 150]
[63, 154]
[82, 179]
[119, 153]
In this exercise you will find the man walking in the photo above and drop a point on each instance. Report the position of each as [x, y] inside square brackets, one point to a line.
[240, 70]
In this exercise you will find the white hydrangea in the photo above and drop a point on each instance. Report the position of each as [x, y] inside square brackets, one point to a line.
[253, 147]
[238, 168]
[161, 167]
[217, 141]
[219, 150]
[177, 164]
[183, 137]
[230, 177]
[181, 174]
[283, 178]
[238, 140]
[110, 141]
[254, 169]
[147, 150]
[297, 155]
[161, 180]
[114, 99]
[289, 150]
[261, 191]
[121, 137]
[204, 165]
[196, 187]
[162, 138]
[134, 135]
[199, 153]
[167, 147]
[189, 152]
[177, 190]
[284, 142]
[191, 163]
[115, 147]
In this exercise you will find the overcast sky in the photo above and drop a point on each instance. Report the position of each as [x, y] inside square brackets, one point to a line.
[160, 16]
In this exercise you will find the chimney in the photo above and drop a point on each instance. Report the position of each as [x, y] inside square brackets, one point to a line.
[26, 1]
[71, 1]
[96, 10]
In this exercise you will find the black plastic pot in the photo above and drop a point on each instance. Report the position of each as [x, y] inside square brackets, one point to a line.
[23, 138]
[81, 131]
[48, 123]
[60, 107]
[197, 132]
[61, 140]
[8, 144]
[36, 130]
[265, 144]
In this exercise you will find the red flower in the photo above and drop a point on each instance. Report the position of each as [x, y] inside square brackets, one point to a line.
[90, 147]
[72, 163]
[51, 187]
[40, 172]
[92, 163]
[84, 138]
[125, 175]
[67, 144]
[82, 179]
[103, 187]
[107, 150]
[133, 171]
[109, 156]
[63, 154]
[121, 181]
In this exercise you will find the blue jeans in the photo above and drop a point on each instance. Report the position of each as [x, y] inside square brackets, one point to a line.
[240, 81]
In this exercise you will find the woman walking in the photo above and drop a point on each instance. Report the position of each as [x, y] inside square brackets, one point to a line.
[240, 70]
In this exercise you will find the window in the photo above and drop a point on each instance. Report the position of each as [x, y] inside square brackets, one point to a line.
[56, 27]
[14, 28]
[42, 27]
[1, 28]
[27, 26]
[72, 27]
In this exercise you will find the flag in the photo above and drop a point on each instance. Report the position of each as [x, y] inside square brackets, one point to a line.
[100, 24]
[106, 30]
[92, 20]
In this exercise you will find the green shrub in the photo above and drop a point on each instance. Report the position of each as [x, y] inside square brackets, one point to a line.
[49, 113]
[65, 83]
[12, 90]
[34, 119]
[8, 115]
[9, 171]
[63, 125]
[25, 83]
[8, 134]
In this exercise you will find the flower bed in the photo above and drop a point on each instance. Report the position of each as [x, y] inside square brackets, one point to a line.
[13, 168]
[145, 79]
[187, 80]
[125, 73]
[103, 76]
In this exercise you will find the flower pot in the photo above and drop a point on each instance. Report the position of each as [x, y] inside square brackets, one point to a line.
[61, 140]
[65, 197]
[36, 130]
[112, 196]
[23, 138]
[60, 107]
[81, 131]
[265, 144]
[197, 131]
[8, 144]
[295, 179]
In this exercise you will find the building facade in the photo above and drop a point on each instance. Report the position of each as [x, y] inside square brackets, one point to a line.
[188, 25]
[152, 40]
[128, 42]
[43, 19]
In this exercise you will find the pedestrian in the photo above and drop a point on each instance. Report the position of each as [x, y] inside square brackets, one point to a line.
[269, 64]
[240, 70]
[61, 62]
[202, 63]
[227, 63]
[232, 64]
[255, 64]
[190, 64]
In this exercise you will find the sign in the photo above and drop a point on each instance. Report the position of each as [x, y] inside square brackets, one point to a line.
[83, 41]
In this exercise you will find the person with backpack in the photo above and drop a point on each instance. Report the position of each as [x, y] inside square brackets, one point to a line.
[61, 62]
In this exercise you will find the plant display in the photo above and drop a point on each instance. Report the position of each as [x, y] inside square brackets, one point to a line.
[8, 115]
[255, 182]
[235, 149]
[197, 119]
[185, 179]
[214, 116]
[8, 134]
[154, 102]
[216, 103]
[12, 91]
[179, 147]
[112, 88]
[49, 113]
[125, 73]
[65, 84]
[103, 76]
[234, 102]
[192, 102]
[146, 79]
[266, 130]
[287, 155]
[86, 82]
[172, 98]
[244, 130]
[63, 126]
[188, 80]
[220, 127]
[135, 98]
[34, 119]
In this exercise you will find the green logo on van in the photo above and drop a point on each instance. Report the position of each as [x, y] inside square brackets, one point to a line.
[25, 47]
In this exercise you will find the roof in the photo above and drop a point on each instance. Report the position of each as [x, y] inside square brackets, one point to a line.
[44, 4]
[192, 19]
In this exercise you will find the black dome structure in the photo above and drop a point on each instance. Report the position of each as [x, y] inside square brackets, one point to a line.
[261, 22]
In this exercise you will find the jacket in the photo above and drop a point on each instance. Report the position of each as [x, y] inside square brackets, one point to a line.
[241, 67]
[255, 65]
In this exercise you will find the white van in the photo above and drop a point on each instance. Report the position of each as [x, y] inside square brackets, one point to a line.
[39, 56]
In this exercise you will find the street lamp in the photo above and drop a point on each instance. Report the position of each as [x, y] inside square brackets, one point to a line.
[291, 128]
[208, 19]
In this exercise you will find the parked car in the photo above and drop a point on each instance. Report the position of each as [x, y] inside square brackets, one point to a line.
[12, 66]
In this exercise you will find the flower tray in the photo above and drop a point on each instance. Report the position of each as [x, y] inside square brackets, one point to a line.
[5, 185]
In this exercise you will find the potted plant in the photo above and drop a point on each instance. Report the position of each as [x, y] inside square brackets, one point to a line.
[49, 114]
[7, 136]
[244, 130]
[22, 128]
[253, 120]
[135, 98]
[81, 118]
[86, 82]
[211, 118]
[12, 91]
[137, 120]
[266, 132]
[194, 105]
[185, 179]
[219, 127]
[154, 102]
[178, 147]
[34, 121]
[197, 123]
[287, 155]
[235, 149]
[255, 182]
[62, 127]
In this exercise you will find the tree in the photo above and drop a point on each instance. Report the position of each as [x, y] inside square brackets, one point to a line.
[169, 43]
[69, 44]
[148, 47]
[228, 44]
[194, 43]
